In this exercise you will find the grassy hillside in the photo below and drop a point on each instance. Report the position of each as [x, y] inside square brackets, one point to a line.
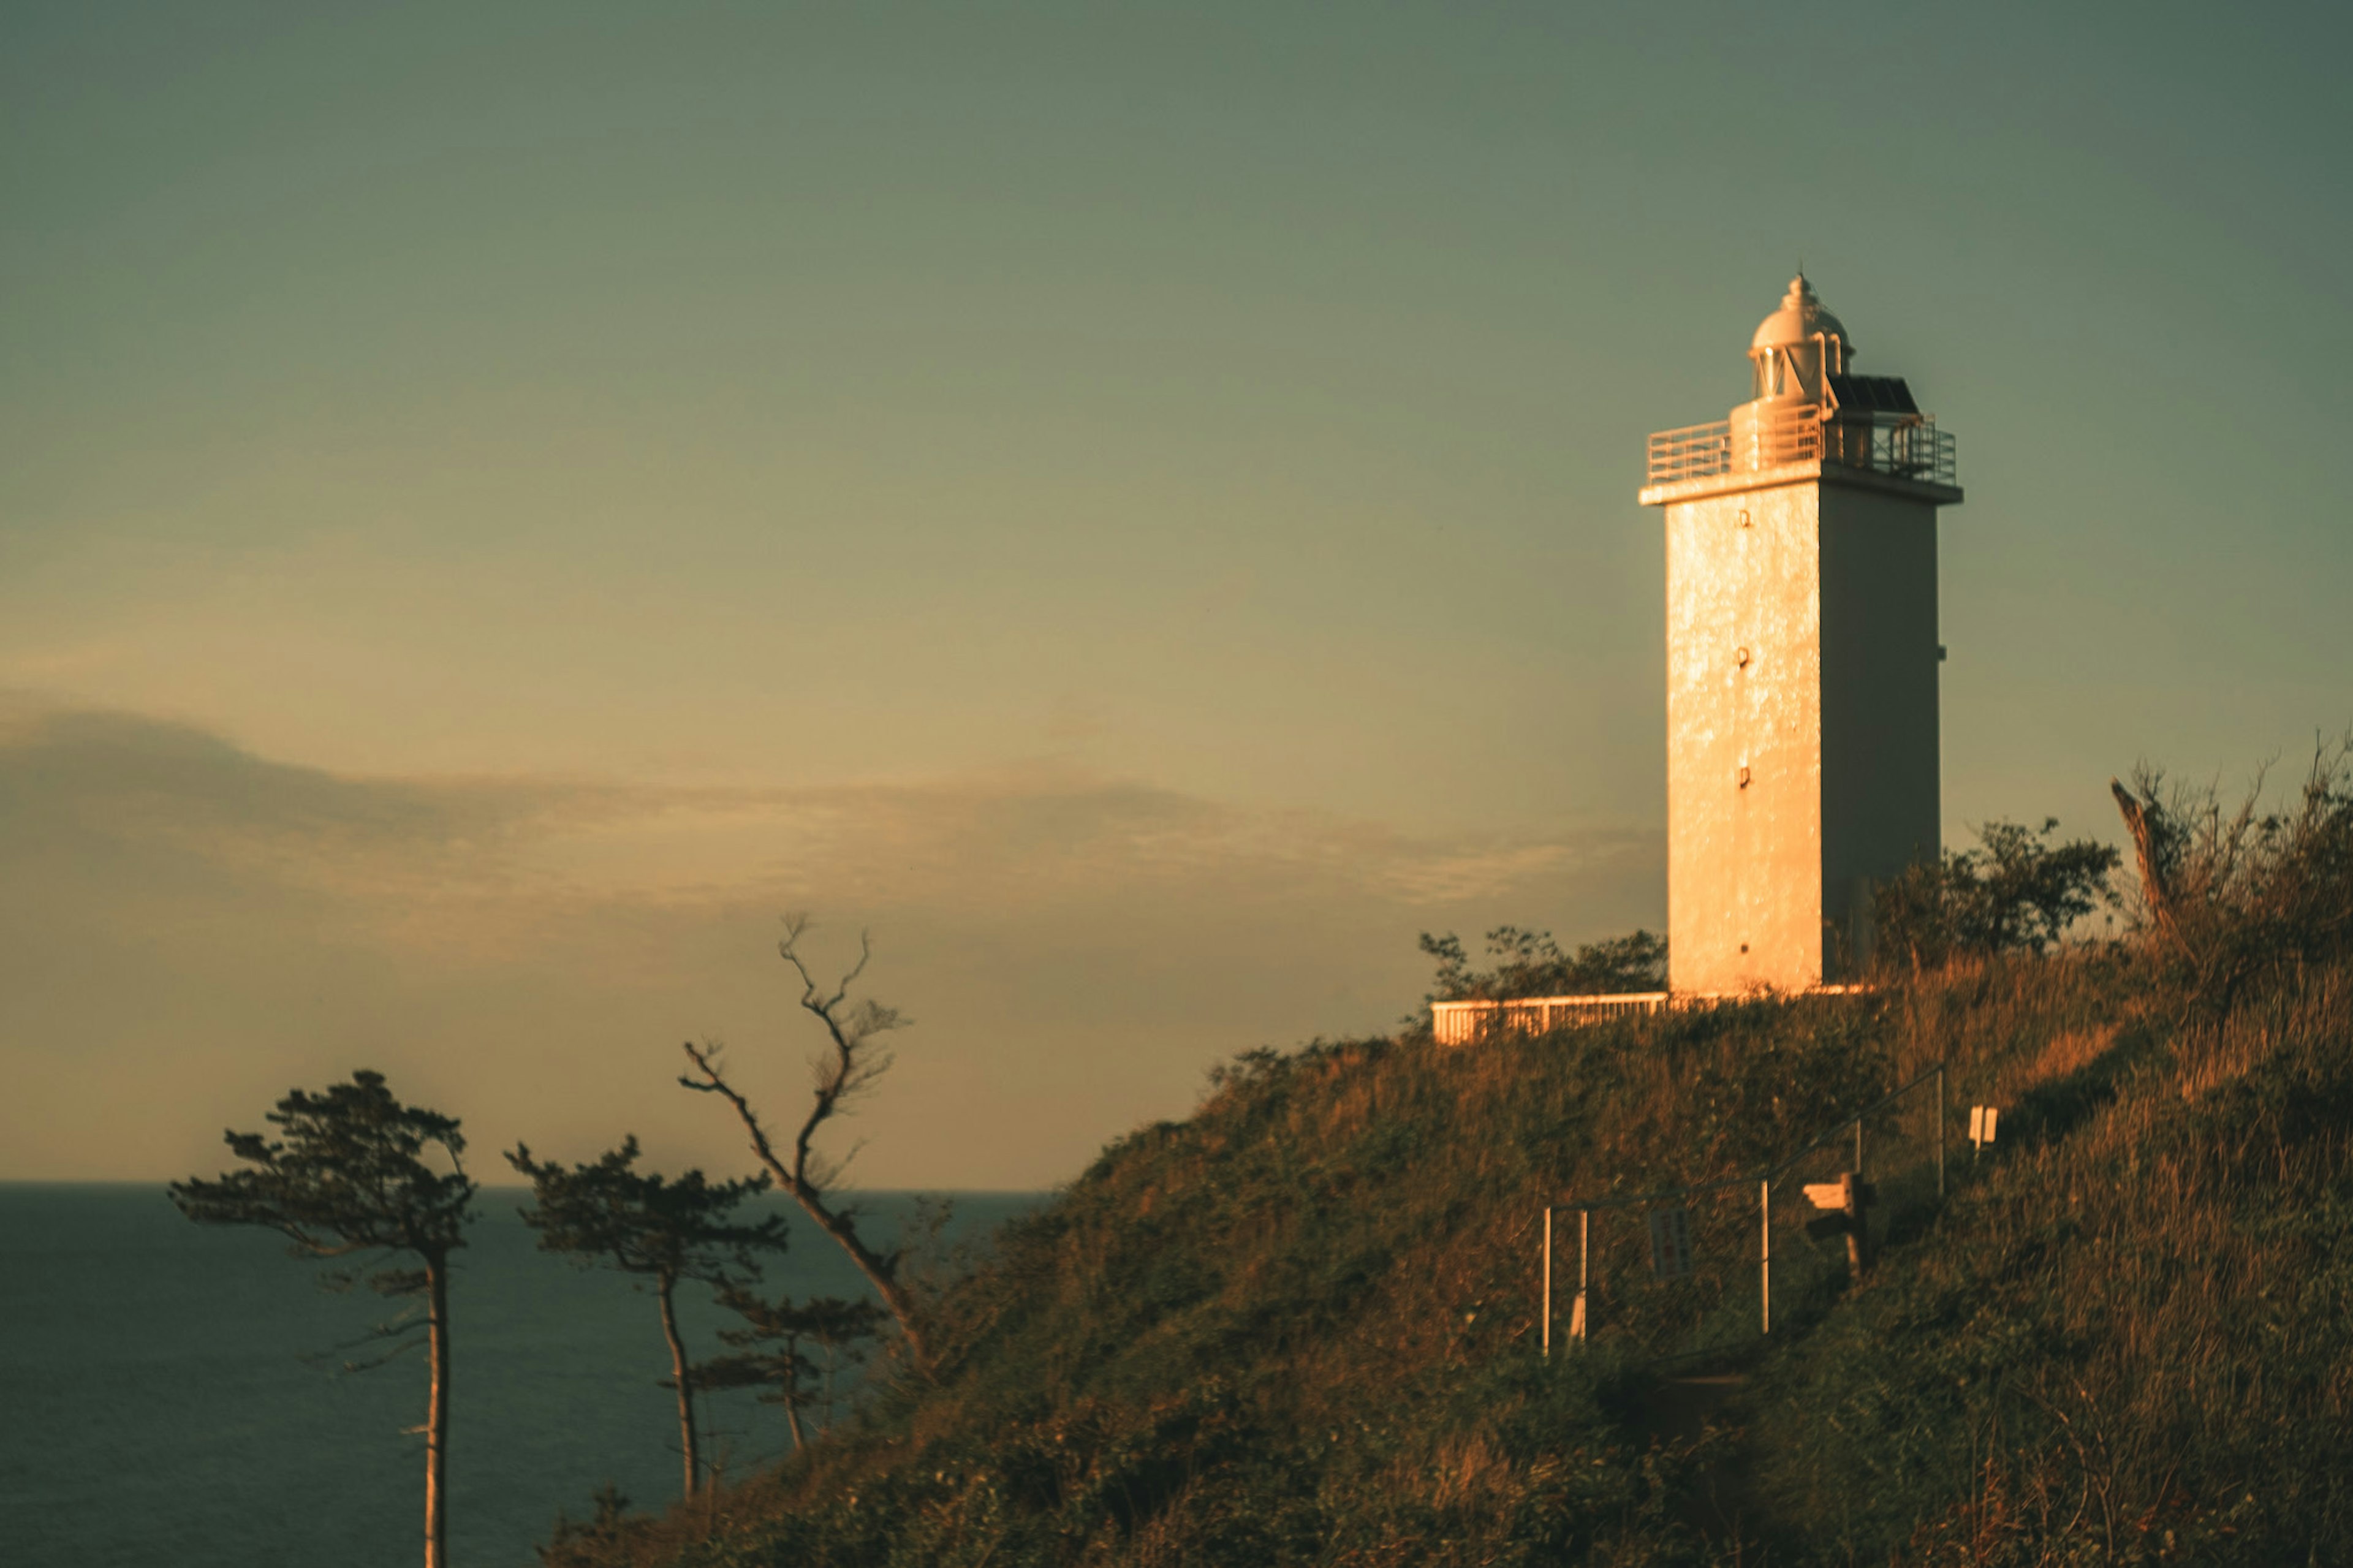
[1299, 1326]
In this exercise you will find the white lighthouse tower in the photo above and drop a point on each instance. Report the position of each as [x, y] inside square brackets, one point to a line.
[1801, 659]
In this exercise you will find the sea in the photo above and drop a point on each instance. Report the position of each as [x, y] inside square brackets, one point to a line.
[171, 1395]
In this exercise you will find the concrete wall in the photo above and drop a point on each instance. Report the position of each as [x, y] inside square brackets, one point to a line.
[1744, 861]
[1829, 586]
[1882, 805]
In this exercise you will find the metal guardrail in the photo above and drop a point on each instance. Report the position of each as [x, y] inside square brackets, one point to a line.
[1905, 445]
[1912, 448]
[1695, 452]
[1836, 1132]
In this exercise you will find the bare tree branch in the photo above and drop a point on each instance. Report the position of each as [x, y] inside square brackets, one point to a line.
[839, 1075]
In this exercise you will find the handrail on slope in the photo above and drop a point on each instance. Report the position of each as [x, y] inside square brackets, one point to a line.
[1764, 1179]
[1774, 1172]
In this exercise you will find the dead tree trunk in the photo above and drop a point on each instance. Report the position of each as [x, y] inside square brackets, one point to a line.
[2153, 890]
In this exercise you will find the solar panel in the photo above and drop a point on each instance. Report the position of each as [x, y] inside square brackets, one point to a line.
[1873, 393]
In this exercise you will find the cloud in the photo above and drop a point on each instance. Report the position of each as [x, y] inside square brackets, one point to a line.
[126, 779]
[192, 927]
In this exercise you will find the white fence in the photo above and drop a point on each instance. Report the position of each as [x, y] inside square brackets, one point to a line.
[1467, 1023]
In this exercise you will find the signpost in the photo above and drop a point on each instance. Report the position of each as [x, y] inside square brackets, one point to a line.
[1981, 1124]
[1845, 1199]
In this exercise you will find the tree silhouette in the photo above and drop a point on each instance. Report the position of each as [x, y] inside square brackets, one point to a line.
[2018, 891]
[770, 1353]
[838, 1077]
[1530, 963]
[349, 1178]
[606, 1212]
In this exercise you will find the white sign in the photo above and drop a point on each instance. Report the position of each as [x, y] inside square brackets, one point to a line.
[1671, 1247]
[1981, 1122]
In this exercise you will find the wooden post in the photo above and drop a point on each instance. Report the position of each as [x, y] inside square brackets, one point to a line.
[1547, 1283]
[1852, 1200]
[1941, 1114]
[1858, 1147]
[1765, 1262]
[1577, 1325]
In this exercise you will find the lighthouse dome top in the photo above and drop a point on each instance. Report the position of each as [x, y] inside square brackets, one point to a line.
[1800, 319]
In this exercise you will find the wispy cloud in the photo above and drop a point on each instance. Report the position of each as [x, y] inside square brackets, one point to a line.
[183, 906]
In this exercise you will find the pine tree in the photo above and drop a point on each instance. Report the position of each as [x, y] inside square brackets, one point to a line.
[606, 1212]
[349, 1178]
[770, 1351]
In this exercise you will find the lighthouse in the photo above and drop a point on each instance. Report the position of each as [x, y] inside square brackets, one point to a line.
[1802, 655]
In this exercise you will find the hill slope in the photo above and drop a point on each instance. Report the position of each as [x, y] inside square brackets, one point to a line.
[1300, 1326]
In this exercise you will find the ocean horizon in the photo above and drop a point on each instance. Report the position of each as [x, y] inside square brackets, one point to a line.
[175, 1395]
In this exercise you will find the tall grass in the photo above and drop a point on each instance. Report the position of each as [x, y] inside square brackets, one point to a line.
[1299, 1326]
[2127, 1342]
[2130, 1341]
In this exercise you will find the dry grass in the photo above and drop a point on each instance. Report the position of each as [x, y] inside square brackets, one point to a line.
[2130, 1340]
[1299, 1327]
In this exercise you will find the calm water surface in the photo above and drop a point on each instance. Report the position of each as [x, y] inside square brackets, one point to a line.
[169, 1392]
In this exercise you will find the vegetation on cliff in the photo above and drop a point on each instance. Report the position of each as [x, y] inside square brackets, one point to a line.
[1301, 1325]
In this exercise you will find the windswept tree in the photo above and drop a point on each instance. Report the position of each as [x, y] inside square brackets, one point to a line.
[784, 1345]
[350, 1178]
[663, 1229]
[847, 1068]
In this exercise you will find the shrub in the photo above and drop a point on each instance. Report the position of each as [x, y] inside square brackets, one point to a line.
[2230, 896]
[1530, 963]
[2017, 891]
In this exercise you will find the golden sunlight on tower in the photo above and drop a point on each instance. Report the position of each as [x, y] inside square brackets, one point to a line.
[1801, 659]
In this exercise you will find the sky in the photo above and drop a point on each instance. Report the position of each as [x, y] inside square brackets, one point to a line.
[1132, 506]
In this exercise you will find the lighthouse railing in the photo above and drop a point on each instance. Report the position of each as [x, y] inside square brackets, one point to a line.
[1695, 452]
[1907, 446]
